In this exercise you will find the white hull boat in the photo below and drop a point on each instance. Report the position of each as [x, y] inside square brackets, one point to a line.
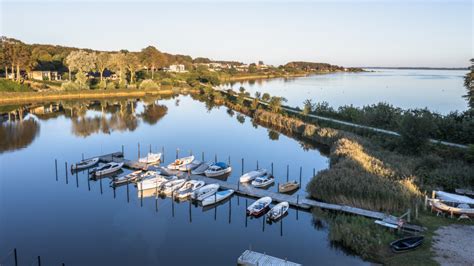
[250, 176]
[263, 181]
[259, 206]
[151, 158]
[217, 197]
[450, 197]
[218, 169]
[154, 182]
[188, 188]
[84, 164]
[205, 191]
[132, 177]
[171, 186]
[278, 211]
[190, 166]
[201, 169]
[181, 162]
[108, 168]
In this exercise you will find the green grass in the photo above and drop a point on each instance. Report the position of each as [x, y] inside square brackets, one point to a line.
[11, 86]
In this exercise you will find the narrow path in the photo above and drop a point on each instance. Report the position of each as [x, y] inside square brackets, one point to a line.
[379, 130]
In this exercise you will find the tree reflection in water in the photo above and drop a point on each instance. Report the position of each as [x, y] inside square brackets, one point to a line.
[17, 135]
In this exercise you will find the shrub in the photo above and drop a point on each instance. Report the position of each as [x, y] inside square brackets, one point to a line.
[415, 129]
[102, 85]
[148, 84]
[111, 85]
[73, 86]
[122, 84]
[166, 82]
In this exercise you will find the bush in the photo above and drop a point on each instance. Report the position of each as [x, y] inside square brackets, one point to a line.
[73, 86]
[111, 85]
[8, 85]
[102, 85]
[166, 82]
[122, 84]
[148, 84]
[415, 129]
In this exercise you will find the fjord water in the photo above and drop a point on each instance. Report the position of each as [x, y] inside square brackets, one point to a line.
[81, 222]
[438, 90]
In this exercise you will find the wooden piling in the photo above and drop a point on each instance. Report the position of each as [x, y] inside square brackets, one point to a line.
[287, 172]
[162, 153]
[215, 158]
[190, 152]
[141, 198]
[257, 165]
[272, 168]
[138, 151]
[56, 168]
[202, 156]
[301, 173]
[228, 160]
[77, 180]
[190, 216]
[242, 166]
[82, 156]
[177, 153]
[65, 166]
[15, 255]
[100, 181]
[314, 172]
[123, 152]
[39, 261]
[128, 194]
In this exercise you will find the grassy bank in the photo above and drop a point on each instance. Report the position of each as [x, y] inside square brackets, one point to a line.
[24, 97]
[248, 76]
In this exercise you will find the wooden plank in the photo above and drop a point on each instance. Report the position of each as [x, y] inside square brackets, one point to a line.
[253, 258]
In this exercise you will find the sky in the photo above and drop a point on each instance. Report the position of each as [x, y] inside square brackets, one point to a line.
[348, 33]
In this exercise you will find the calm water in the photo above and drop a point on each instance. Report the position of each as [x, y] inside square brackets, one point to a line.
[81, 222]
[439, 90]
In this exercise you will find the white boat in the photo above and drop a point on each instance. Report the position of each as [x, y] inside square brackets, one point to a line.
[278, 211]
[187, 189]
[263, 181]
[84, 164]
[180, 162]
[132, 177]
[201, 169]
[190, 166]
[107, 168]
[218, 169]
[247, 177]
[171, 186]
[150, 158]
[461, 209]
[217, 197]
[450, 197]
[154, 182]
[259, 206]
[205, 192]
[288, 186]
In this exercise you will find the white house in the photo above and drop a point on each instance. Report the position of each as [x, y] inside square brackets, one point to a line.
[176, 68]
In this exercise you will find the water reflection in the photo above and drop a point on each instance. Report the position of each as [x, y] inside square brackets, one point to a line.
[18, 134]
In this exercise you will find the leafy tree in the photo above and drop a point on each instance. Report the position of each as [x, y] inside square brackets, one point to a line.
[102, 63]
[469, 84]
[415, 129]
[80, 61]
[132, 63]
[266, 97]
[308, 107]
[275, 104]
[252, 68]
[152, 59]
[118, 64]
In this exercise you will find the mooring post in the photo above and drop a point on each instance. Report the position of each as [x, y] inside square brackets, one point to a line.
[301, 172]
[83, 156]
[263, 223]
[242, 166]
[123, 155]
[56, 168]
[246, 216]
[190, 152]
[39, 261]
[65, 166]
[228, 160]
[238, 185]
[287, 172]
[15, 255]
[88, 180]
[190, 216]
[77, 180]
[128, 194]
[230, 209]
[172, 205]
[100, 181]
[141, 198]
[314, 172]
[202, 156]
[272, 168]
[297, 205]
[177, 153]
[278, 187]
[162, 153]
[215, 158]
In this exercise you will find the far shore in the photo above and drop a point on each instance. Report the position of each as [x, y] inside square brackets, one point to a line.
[26, 97]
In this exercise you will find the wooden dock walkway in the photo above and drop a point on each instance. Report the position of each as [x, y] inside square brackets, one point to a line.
[252, 258]
[250, 191]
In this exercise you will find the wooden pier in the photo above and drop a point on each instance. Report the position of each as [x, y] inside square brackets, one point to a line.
[252, 258]
[250, 191]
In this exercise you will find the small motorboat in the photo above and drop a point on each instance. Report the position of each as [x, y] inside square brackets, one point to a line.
[288, 186]
[150, 158]
[130, 178]
[154, 182]
[278, 211]
[201, 169]
[180, 162]
[259, 206]
[218, 169]
[188, 188]
[84, 164]
[217, 197]
[205, 192]
[190, 166]
[107, 168]
[171, 186]
[406, 244]
[250, 176]
[263, 181]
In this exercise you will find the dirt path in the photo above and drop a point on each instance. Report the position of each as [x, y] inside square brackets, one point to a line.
[453, 245]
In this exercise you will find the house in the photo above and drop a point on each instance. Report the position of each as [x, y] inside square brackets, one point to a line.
[44, 75]
[176, 68]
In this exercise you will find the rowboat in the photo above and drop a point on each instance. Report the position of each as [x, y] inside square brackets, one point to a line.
[450, 197]
[180, 162]
[190, 166]
[107, 168]
[406, 244]
[132, 177]
[187, 189]
[171, 186]
[154, 182]
[461, 209]
[205, 192]
[201, 169]
[247, 177]
[259, 206]
[217, 197]
[278, 211]
[218, 169]
[288, 186]
[84, 164]
[263, 181]
[150, 158]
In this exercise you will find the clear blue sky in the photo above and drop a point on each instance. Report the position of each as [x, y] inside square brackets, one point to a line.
[349, 33]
